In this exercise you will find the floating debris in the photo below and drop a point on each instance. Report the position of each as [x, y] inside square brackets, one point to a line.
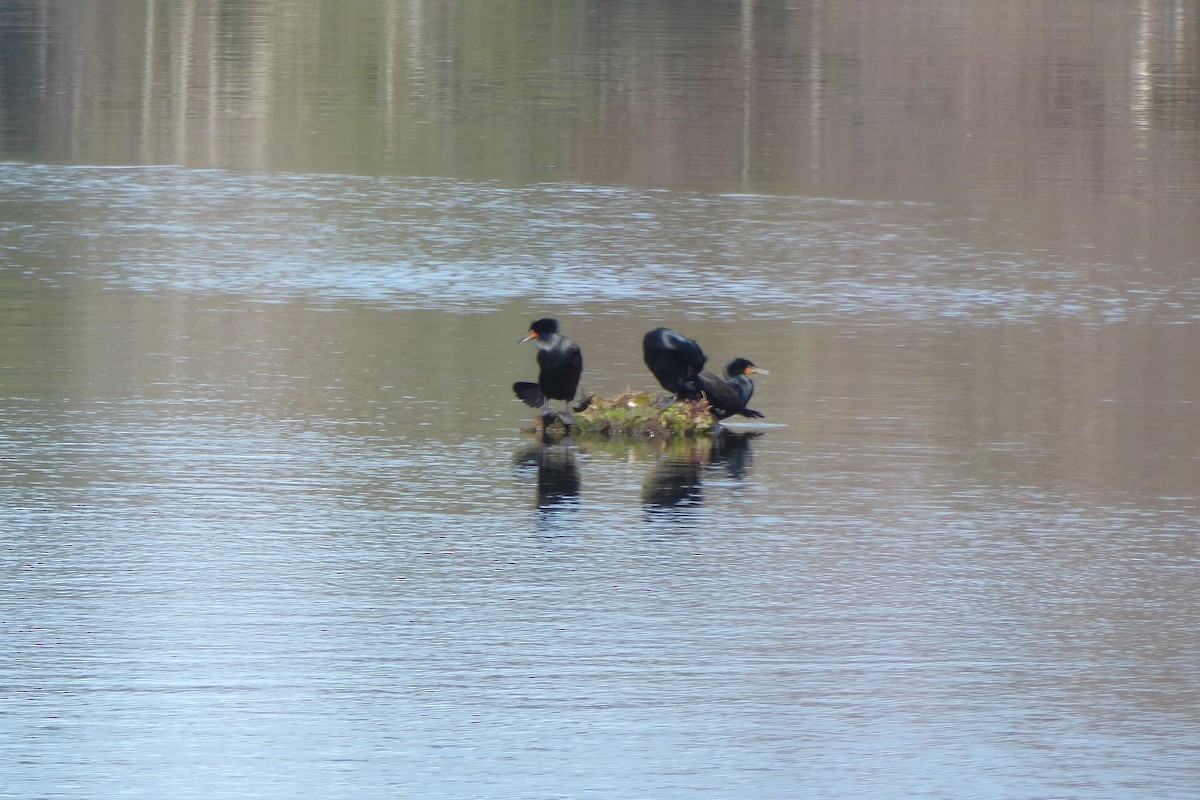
[640, 414]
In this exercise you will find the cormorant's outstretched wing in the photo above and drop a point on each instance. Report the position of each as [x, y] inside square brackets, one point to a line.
[529, 394]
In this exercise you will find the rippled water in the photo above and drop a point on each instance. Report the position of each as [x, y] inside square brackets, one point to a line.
[272, 525]
[404, 243]
[229, 605]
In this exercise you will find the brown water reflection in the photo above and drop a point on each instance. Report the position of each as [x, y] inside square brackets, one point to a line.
[929, 100]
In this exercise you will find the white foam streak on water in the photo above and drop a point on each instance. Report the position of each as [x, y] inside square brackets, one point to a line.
[404, 243]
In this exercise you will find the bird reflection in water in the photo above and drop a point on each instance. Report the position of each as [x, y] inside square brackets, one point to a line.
[675, 486]
[731, 452]
[557, 474]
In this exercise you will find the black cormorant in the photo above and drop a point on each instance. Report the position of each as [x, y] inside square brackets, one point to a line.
[729, 395]
[560, 363]
[675, 361]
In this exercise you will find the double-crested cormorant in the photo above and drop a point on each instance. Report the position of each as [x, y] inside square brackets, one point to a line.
[560, 364]
[675, 360]
[729, 395]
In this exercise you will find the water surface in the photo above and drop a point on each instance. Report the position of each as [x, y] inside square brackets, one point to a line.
[271, 521]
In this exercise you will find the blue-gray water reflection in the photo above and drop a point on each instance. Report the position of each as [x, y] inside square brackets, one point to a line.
[398, 612]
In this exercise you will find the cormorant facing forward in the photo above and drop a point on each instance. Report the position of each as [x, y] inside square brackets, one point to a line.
[560, 363]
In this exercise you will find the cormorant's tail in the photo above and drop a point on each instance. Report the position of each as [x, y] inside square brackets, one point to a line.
[750, 412]
[529, 394]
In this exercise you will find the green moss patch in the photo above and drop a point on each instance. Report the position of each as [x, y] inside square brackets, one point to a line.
[638, 414]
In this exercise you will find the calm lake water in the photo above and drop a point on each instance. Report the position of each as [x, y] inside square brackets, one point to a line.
[271, 525]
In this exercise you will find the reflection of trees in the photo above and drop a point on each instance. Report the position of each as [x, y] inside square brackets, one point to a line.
[731, 93]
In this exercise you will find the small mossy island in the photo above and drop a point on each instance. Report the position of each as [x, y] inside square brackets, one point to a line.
[639, 414]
